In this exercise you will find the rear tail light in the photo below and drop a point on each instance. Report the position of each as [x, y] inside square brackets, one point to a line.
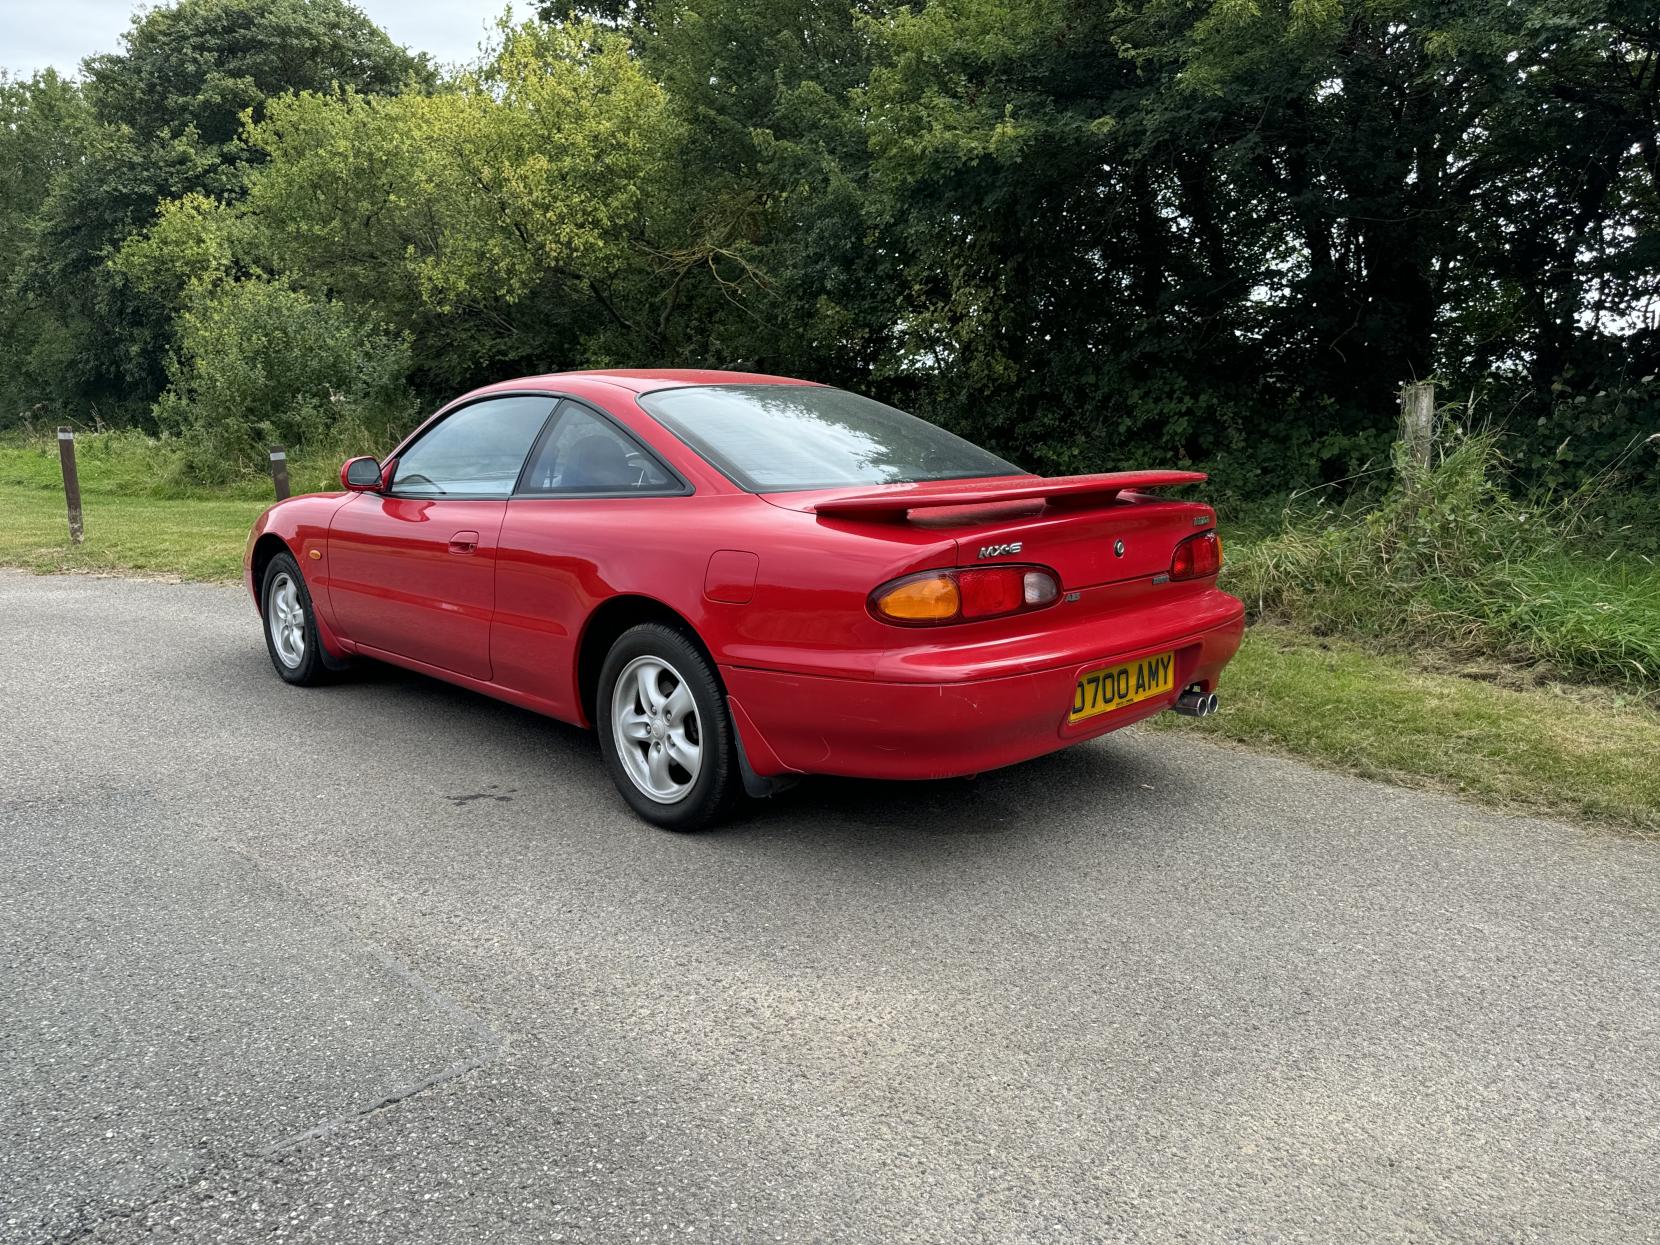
[1197, 557]
[965, 595]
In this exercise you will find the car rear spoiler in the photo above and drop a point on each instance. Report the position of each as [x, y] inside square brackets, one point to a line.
[897, 502]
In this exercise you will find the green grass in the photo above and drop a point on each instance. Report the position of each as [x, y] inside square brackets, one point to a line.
[193, 539]
[1547, 749]
[140, 512]
[130, 464]
[1452, 559]
[1580, 617]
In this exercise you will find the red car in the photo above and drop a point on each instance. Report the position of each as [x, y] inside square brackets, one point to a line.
[739, 579]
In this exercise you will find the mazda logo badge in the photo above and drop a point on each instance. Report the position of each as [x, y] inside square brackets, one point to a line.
[1118, 548]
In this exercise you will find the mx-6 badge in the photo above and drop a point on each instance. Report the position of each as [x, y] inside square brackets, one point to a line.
[998, 551]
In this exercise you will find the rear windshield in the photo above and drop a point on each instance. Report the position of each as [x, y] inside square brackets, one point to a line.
[782, 438]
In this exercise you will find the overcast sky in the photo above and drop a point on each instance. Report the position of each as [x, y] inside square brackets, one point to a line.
[38, 33]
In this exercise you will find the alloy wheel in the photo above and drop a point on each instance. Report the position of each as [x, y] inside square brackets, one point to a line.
[285, 617]
[657, 730]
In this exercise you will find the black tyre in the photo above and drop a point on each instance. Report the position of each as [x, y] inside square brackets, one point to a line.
[665, 731]
[291, 624]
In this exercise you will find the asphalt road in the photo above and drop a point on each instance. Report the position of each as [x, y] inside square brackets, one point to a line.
[392, 962]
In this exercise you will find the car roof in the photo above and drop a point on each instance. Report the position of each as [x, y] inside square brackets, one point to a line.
[645, 379]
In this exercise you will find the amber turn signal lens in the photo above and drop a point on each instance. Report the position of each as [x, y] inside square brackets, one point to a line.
[927, 598]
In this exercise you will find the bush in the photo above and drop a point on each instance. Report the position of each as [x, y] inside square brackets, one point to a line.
[259, 363]
[1451, 557]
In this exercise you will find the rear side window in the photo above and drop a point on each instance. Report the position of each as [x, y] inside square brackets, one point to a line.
[586, 454]
[476, 452]
[778, 438]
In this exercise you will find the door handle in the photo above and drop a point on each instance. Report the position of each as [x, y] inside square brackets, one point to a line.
[464, 542]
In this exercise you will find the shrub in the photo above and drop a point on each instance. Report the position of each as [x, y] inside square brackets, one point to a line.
[1452, 557]
[259, 363]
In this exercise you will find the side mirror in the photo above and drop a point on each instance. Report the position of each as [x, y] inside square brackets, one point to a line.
[361, 475]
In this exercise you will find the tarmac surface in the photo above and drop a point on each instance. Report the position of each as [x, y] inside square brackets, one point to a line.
[389, 961]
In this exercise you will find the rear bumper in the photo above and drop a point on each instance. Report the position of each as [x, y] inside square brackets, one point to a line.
[863, 728]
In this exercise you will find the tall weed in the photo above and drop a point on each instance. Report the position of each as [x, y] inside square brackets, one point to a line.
[1451, 557]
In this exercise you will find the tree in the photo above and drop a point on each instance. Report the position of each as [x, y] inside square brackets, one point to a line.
[491, 218]
[1077, 280]
[1230, 231]
[258, 362]
[165, 118]
[1088, 234]
[43, 120]
[765, 252]
[195, 67]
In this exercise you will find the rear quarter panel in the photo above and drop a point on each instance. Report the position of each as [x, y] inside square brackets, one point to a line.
[562, 558]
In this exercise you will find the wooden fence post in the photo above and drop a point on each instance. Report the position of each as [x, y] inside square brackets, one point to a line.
[1418, 421]
[71, 483]
[279, 471]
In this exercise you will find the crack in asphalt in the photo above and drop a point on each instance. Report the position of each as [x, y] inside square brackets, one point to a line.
[493, 1040]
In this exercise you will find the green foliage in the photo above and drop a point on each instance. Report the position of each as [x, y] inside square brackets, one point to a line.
[1289, 207]
[195, 67]
[1452, 558]
[161, 119]
[1087, 235]
[491, 217]
[260, 364]
[195, 244]
[43, 120]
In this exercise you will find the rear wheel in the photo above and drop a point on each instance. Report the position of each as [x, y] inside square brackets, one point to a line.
[665, 731]
[290, 625]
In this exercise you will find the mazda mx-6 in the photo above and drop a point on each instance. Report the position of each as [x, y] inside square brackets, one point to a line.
[738, 579]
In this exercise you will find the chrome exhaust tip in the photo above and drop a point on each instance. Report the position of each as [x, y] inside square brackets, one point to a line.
[1194, 703]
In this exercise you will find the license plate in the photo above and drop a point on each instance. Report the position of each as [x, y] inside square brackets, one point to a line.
[1113, 687]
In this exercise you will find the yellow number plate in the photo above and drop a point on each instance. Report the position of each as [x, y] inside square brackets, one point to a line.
[1113, 687]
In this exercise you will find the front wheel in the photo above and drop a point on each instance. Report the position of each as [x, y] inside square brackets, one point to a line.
[290, 625]
[665, 731]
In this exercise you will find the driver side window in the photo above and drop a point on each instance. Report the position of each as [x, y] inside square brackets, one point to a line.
[476, 452]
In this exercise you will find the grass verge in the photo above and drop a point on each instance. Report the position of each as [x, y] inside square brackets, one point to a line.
[131, 464]
[194, 539]
[1562, 751]
[1582, 753]
[1453, 559]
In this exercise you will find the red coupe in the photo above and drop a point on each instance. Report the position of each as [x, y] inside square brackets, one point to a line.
[740, 578]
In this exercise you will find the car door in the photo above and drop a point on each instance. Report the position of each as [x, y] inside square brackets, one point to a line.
[412, 570]
[590, 509]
